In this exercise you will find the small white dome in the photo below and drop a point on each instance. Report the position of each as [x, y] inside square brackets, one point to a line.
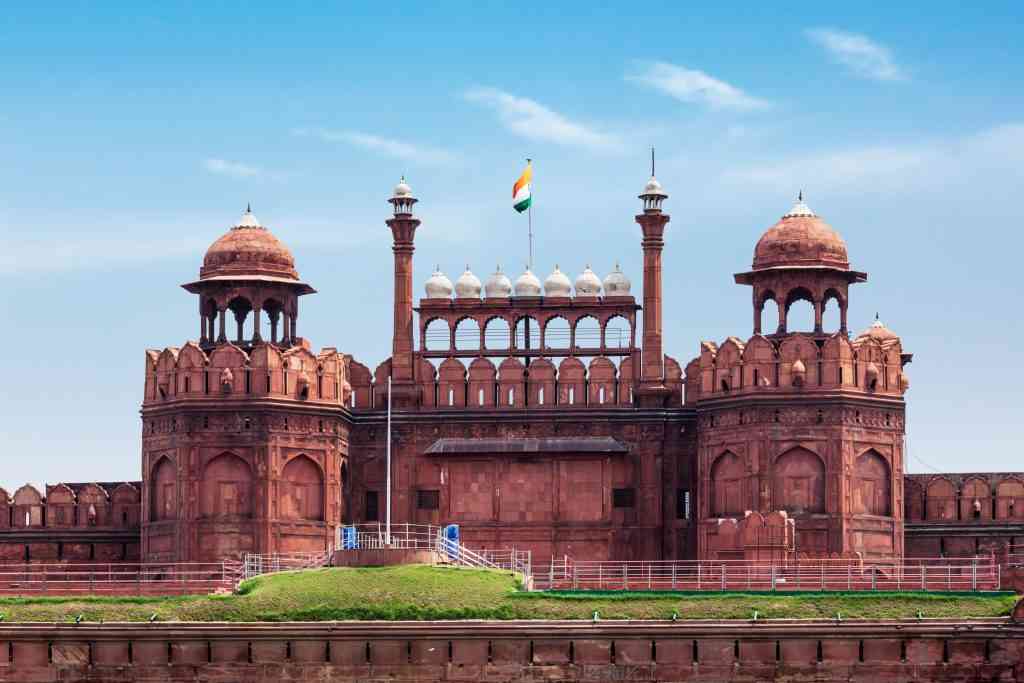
[588, 283]
[527, 284]
[616, 283]
[467, 286]
[438, 286]
[653, 187]
[402, 189]
[498, 286]
[800, 208]
[248, 220]
[557, 284]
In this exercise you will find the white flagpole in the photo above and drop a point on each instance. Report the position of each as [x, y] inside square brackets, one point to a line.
[529, 213]
[387, 484]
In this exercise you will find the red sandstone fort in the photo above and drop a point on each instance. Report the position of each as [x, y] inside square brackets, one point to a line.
[534, 415]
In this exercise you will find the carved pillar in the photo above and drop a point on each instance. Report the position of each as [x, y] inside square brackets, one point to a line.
[783, 312]
[817, 316]
[275, 315]
[222, 336]
[240, 316]
[256, 325]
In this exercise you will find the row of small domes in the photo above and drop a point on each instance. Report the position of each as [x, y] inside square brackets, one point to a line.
[498, 285]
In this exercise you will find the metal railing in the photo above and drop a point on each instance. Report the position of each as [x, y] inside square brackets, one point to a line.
[970, 574]
[254, 564]
[118, 578]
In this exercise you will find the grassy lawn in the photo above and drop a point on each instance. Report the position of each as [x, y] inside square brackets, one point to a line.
[423, 592]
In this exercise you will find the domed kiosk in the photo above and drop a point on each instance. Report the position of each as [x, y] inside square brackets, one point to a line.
[800, 258]
[247, 271]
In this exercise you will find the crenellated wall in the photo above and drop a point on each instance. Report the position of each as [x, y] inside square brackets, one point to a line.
[73, 522]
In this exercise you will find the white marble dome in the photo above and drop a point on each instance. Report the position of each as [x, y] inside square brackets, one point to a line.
[588, 283]
[402, 189]
[653, 188]
[498, 286]
[557, 284]
[438, 286]
[527, 284]
[616, 283]
[467, 286]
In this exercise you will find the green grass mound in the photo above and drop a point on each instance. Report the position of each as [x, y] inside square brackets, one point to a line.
[419, 592]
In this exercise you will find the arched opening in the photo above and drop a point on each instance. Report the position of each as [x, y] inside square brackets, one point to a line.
[302, 490]
[226, 489]
[799, 482]
[588, 333]
[799, 310]
[527, 333]
[467, 335]
[241, 307]
[162, 487]
[437, 336]
[496, 334]
[727, 486]
[872, 491]
[270, 323]
[617, 333]
[556, 333]
[831, 319]
[768, 313]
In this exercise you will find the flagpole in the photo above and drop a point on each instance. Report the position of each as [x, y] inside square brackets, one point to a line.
[529, 216]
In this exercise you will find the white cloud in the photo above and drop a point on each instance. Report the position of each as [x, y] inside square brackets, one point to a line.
[532, 120]
[989, 156]
[860, 54]
[691, 85]
[231, 169]
[387, 146]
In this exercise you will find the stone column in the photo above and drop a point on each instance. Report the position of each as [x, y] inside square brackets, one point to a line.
[222, 336]
[256, 337]
[403, 231]
[652, 390]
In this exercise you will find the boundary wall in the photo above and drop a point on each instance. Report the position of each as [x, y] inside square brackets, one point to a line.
[783, 650]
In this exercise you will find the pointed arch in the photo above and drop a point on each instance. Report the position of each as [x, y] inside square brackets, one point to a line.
[872, 488]
[727, 477]
[799, 482]
[302, 489]
[226, 490]
[163, 484]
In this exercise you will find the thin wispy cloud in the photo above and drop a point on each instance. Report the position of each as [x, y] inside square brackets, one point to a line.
[232, 169]
[397, 149]
[860, 54]
[694, 86]
[532, 120]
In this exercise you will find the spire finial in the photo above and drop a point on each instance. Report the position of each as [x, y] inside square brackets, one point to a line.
[876, 315]
[800, 196]
[248, 207]
[652, 161]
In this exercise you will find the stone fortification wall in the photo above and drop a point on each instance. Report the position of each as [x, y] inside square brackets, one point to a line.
[990, 649]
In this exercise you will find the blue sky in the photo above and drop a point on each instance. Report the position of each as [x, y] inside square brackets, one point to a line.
[133, 134]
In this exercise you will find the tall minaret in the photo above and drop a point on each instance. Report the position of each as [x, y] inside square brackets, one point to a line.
[652, 391]
[403, 230]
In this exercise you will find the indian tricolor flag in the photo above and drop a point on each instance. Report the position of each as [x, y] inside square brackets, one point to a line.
[521, 190]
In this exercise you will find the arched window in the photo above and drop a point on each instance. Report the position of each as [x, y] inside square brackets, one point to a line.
[241, 308]
[467, 335]
[527, 333]
[496, 334]
[872, 492]
[226, 488]
[588, 333]
[799, 310]
[437, 336]
[302, 485]
[727, 476]
[799, 482]
[831, 320]
[162, 498]
[768, 313]
[617, 333]
[556, 333]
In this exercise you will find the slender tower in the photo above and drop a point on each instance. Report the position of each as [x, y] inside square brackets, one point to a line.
[651, 390]
[403, 230]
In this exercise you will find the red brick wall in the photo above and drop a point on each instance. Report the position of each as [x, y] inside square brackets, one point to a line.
[502, 651]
